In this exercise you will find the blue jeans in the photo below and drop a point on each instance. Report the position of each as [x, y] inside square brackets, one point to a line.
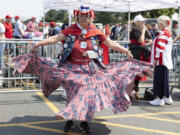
[2, 47]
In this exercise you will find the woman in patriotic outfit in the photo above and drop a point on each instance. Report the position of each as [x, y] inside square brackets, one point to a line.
[162, 59]
[90, 85]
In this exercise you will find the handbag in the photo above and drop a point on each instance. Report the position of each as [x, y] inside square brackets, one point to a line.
[148, 95]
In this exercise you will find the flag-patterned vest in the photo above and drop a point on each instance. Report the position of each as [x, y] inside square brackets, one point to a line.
[68, 46]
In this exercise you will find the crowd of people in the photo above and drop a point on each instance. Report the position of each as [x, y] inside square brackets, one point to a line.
[28, 30]
[90, 81]
[22, 30]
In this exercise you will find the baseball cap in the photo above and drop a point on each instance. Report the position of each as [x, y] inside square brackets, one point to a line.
[40, 24]
[8, 17]
[33, 17]
[139, 18]
[52, 23]
[16, 17]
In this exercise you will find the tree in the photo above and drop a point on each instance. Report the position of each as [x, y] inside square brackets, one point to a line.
[152, 13]
[56, 16]
[107, 17]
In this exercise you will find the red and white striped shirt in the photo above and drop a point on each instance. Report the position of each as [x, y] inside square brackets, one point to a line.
[162, 49]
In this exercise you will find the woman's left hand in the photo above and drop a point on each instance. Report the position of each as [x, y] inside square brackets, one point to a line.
[34, 49]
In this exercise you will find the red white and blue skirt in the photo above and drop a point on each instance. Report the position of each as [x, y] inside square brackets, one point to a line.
[89, 88]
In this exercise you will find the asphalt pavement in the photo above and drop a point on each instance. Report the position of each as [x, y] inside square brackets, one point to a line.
[32, 114]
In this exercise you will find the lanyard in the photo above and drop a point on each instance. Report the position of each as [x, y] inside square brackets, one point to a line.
[83, 31]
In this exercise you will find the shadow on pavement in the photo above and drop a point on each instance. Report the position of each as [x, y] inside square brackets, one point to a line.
[46, 126]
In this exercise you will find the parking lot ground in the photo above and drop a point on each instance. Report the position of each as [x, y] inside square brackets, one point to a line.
[33, 114]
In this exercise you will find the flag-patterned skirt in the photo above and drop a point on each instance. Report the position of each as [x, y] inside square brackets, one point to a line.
[89, 88]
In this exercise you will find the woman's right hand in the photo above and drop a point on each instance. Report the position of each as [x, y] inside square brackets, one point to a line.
[144, 27]
[34, 49]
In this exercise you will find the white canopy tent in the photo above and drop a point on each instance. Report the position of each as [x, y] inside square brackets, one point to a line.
[113, 5]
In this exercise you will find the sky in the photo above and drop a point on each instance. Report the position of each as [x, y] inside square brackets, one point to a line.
[23, 8]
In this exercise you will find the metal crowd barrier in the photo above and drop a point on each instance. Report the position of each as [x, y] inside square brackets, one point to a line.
[26, 82]
[174, 75]
[22, 82]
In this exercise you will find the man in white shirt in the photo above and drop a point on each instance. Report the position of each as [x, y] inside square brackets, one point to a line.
[18, 30]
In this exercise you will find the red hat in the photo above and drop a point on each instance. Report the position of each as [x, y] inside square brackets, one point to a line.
[84, 10]
[8, 17]
[40, 24]
[17, 17]
[33, 17]
[52, 23]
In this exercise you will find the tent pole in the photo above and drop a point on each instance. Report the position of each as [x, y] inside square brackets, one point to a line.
[129, 18]
[179, 21]
[43, 21]
[69, 17]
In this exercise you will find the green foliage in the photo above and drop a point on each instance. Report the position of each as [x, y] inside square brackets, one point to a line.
[56, 16]
[152, 13]
[107, 17]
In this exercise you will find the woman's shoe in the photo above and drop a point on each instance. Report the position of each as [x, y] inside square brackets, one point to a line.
[168, 100]
[157, 101]
[68, 125]
[84, 127]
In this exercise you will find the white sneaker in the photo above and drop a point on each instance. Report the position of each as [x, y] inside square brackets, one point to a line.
[157, 101]
[168, 101]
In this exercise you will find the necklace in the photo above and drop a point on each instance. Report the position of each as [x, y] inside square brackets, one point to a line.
[83, 31]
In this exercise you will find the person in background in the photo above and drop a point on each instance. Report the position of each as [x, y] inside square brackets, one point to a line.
[40, 27]
[52, 30]
[124, 32]
[117, 31]
[8, 27]
[113, 35]
[18, 30]
[58, 28]
[65, 25]
[139, 37]
[161, 58]
[155, 29]
[105, 48]
[8, 34]
[90, 85]
[175, 31]
[18, 33]
[46, 30]
[2, 46]
[52, 50]
[33, 30]
[176, 38]
[31, 26]
[107, 30]
[150, 28]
